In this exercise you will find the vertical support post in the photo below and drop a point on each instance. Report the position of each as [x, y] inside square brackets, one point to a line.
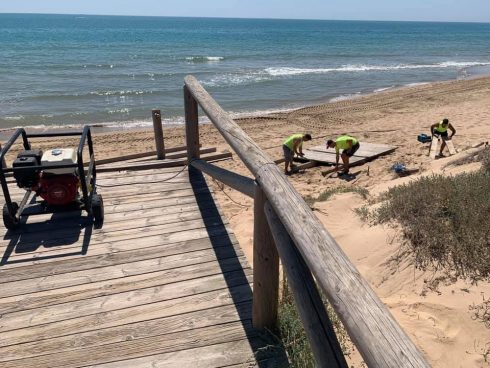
[265, 268]
[191, 125]
[158, 130]
[4, 164]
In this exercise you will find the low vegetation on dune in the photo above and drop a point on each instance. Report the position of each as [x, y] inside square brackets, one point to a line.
[293, 336]
[327, 193]
[445, 220]
[445, 224]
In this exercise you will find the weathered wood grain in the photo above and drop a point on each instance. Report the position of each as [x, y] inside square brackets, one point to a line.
[266, 268]
[377, 335]
[196, 319]
[238, 182]
[433, 147]
[148, 290]
[230, 354]
[450, 146]
[131, 349]
[191, 125]
[125, 270]
[158, 133]
[219, 294]
[319, 330]
[162, 164]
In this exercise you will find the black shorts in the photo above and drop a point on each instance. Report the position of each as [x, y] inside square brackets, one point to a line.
[288, 154]
[440, 134]
[350, 152]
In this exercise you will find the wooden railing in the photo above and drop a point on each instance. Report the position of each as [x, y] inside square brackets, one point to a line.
[285, 227]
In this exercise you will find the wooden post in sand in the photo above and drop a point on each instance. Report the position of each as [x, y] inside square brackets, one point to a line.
[191, 125]
[4, 164]
[266, 268]
[158, 130]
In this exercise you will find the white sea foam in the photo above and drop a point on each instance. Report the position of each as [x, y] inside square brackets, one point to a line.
[383, 89]
[416, 84]
[235, 79]
[14, 118]
[345, 97]
[288, 71]
[121, 93]
[120, 111]
[204, 59]
[274, 73]
[128, 124]
[109, 66]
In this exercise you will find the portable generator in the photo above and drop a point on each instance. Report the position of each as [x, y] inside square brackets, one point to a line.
[55, 181]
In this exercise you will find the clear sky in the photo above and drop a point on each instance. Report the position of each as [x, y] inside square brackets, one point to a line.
[424, 10]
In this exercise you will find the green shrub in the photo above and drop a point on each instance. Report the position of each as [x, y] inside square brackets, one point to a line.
[445, 221]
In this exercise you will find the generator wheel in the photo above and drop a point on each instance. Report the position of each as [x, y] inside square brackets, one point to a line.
[9, 222]
[98, 210]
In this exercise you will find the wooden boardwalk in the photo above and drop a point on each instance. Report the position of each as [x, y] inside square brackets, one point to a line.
[163, 283]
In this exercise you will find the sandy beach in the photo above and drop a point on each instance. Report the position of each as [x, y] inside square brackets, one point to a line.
[438, 319]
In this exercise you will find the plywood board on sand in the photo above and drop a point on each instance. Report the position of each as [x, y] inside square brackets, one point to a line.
[367, 151]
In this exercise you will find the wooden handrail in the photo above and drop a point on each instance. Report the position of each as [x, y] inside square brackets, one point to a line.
[238, 182]
[318, 327]
[378, 337]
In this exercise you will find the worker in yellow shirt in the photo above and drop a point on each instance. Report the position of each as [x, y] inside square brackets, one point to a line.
[440, 130]
[349, 145]
[291, 146]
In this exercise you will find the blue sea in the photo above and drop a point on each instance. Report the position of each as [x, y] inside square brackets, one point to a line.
[69, 70]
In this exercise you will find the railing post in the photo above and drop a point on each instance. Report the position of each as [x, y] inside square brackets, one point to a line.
[318, 327]
[158, 130]
[191, 125]
[265, 268]
[4, 164]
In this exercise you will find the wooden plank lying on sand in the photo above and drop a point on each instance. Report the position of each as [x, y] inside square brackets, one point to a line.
[366, 149]
[328, 157]
[450, 146]
[433, 147]
[366, 152]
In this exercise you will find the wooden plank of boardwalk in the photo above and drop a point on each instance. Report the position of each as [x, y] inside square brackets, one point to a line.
[163, 283]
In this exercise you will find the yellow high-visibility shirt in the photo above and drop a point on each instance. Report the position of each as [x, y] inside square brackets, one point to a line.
[342, 142]
[289, 141]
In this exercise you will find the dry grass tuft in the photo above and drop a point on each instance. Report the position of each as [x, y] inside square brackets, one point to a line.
[445, 221]
[326, 194]
[293, 336]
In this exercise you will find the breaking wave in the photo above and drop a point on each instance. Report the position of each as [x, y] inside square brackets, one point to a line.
[285, 71]
[204, 59]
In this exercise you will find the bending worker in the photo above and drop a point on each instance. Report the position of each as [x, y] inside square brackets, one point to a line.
[291, 146]
[440, 130]
[349, 145]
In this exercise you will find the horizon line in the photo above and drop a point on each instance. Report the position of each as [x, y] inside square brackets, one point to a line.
[251, 18]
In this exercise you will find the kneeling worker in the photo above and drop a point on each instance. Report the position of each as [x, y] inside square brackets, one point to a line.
[440, 130]
[291, 146]
[349, 145]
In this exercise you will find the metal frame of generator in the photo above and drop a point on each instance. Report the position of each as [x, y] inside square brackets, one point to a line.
[51, 180]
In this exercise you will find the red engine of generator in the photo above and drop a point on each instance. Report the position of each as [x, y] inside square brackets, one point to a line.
[58, 190]
[58, 187]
